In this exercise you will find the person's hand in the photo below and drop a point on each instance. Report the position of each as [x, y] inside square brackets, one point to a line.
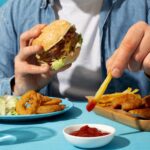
[133, 52]
[29, 75]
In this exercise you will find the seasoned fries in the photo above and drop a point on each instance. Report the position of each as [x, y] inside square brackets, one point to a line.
[128, 101]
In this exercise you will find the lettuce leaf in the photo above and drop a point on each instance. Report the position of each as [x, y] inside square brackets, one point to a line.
[57, 64]
[2, 106]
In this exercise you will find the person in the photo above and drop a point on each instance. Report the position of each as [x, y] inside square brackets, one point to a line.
[116, 36]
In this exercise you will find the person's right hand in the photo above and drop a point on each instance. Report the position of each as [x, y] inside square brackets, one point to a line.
[28, 75]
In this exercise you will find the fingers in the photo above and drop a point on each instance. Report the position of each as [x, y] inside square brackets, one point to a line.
[30, 34]
[119, 61]
[109, 61]
[146, 64]
[30, 68]
[136, 62]
[29, 51]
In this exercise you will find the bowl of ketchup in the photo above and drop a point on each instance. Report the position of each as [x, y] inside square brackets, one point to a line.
[89, 135]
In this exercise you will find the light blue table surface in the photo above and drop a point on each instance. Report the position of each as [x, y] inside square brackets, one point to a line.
[46, 134]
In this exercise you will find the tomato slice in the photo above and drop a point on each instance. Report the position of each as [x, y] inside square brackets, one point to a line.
[90, 106]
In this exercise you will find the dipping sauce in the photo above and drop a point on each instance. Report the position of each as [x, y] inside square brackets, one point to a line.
[90, 106]
[87, 131]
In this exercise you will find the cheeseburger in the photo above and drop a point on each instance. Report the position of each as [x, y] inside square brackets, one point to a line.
[61, 44]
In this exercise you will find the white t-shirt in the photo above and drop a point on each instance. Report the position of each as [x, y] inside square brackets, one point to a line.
[84, 76]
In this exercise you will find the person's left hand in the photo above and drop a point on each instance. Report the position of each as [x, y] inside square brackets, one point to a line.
[133, 52]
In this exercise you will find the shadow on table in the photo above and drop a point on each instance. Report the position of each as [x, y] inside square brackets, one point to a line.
[134, 132]
[117, 143]
[25, 135]
[71, 114]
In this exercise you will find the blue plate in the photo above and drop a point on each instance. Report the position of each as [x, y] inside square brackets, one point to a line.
[65, 102]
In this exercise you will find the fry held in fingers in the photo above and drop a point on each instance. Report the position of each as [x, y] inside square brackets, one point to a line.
[92, 102]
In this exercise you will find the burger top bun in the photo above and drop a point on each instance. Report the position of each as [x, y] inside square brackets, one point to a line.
[52, 34]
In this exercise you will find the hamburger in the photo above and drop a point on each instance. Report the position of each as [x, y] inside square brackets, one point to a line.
[61, 44]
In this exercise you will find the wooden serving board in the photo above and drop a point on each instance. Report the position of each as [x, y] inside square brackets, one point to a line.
[123, 117]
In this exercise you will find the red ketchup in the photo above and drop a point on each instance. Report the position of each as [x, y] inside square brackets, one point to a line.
[90, 106]
[87, 131]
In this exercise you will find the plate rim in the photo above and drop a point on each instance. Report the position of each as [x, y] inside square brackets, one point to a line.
[68, 103]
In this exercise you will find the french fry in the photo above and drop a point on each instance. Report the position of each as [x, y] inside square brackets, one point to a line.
[103, 87]
[91, 104]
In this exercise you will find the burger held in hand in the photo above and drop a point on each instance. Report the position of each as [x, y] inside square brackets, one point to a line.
[61, 44]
